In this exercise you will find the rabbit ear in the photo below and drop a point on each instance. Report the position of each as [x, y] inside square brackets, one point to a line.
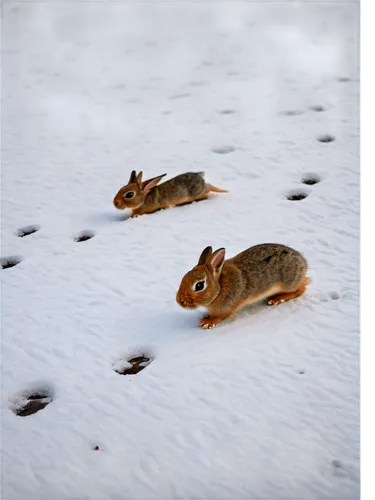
[216, 261]
[205, 255]
[139, 178]
[133, 177]
[150, 183]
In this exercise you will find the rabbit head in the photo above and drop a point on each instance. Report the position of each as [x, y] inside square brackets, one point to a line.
[200, 286]
[133, 195]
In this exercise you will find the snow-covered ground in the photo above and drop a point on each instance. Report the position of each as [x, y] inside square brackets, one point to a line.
[267, 404]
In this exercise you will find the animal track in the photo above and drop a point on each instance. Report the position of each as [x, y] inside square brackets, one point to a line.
[223, 150]
[292, 112]
[343, 79]
[226, 112]
[84, 236]
[32, 403]
[317, 108]
[132, 366]
[27, 230]
[335, 296]
[7, 262]
[325, 138]
[297, 195]
[311, 179]
[180, 96]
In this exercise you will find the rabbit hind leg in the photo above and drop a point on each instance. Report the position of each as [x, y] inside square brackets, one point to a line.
[285, 296]
[188, 201]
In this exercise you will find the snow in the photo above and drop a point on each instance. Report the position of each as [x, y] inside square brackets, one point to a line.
[266, 405]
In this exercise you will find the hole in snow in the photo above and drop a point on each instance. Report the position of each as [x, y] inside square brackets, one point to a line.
[343, 79]
[296, 195]
[132, 366]
[301, 372]
[335, 296]
[7, 262]
[27, 230]
[32, 403]
[311, 179]
[223, 150]
[180, 96]
[84, 236]
[226, 112]
[317, 108]
[326, 138]
[292, 112]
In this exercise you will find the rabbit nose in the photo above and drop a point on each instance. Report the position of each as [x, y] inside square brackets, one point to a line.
[181, 302]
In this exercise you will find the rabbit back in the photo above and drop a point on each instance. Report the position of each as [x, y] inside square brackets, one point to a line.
[267, 264]
[184, 186]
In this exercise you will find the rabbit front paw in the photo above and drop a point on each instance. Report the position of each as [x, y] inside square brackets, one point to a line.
[275, 301]
[208, 322]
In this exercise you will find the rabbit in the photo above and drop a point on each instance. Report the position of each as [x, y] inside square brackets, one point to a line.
[267, 271]
[145, 197]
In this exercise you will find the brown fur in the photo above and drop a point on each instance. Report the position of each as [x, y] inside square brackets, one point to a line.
[267, 271]
[150, 197]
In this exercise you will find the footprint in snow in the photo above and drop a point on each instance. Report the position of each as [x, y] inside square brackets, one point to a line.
[226, 111]
[84, 236]
[311, 179]
[343, 79]
[133, 365]
[292, 112]
[223, 150]
[325, 138]
[29, 403]
[182, 95]
[296, 195]
[317, 108]
[11, 261]
[27, 230]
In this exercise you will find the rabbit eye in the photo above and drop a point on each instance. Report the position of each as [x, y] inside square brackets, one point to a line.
[129, 194]
[199, 286]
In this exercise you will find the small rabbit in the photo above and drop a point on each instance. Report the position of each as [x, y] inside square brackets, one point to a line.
[145, 197]
[268, 271]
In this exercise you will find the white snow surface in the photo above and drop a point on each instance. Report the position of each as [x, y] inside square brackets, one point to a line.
[267, 404]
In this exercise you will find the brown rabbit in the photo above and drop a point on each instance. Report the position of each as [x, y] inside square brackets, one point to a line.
[268, 271]
[146, 197]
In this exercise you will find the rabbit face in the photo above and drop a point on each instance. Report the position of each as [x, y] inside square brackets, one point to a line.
[134, 194]
[198, 288]
[129, 196]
